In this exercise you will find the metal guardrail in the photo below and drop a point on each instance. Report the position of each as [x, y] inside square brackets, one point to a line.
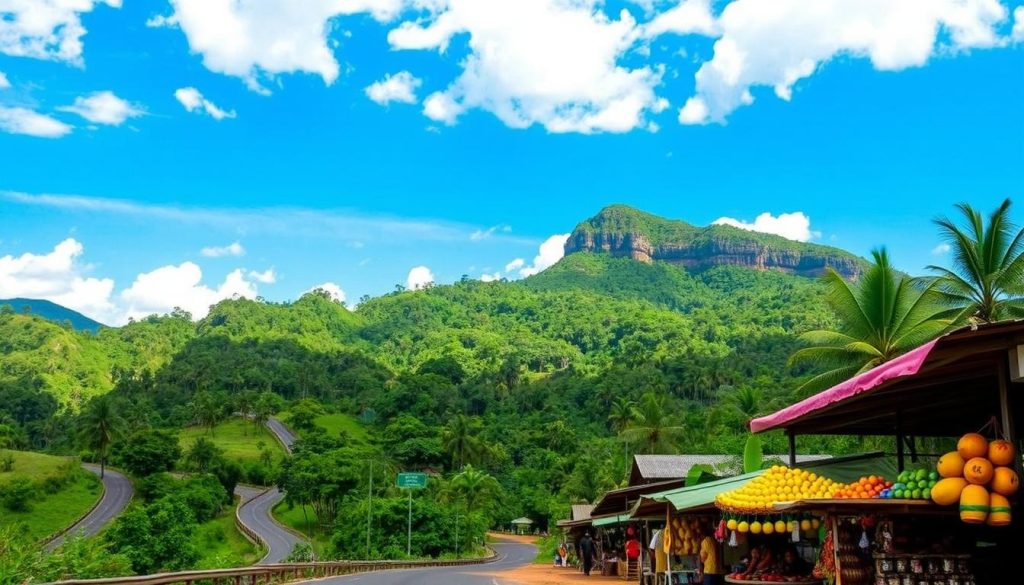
[280, 573]
[247, 532]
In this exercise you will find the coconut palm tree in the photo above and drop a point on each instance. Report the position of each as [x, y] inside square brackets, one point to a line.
[882, 316]
[986, 281]
[99, 426]
[462, 440]
[654, 429]
[475, 487]
[622, 413]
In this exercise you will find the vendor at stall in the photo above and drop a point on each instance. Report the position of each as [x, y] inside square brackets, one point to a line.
[793, 565]
[711, 570]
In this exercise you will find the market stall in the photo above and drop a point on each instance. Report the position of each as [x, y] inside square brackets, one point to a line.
[948, 520]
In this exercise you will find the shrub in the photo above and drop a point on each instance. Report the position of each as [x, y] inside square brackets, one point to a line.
[18, 494]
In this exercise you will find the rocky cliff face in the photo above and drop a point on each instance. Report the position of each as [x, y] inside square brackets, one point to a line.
[647, 238]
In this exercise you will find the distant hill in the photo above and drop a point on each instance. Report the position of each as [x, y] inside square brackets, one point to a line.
[620, 230]
[54, 312]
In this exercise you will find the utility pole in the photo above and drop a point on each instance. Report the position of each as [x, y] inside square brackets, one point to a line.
[408, 541]
[456, 532]
[369, 511]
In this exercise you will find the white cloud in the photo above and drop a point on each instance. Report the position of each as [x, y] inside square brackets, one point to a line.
[193, 101]
[483, 234]
[491, 277]
[777, 43]
[165, 288]
[940, 249]
[268, 276]
[1018, 25]
[336, 292]
[400, 87]
[4, 84]
[793, 226]
[548, 62]
[232, 249]
[419, 277]
[550, 252]
[515, 265]
[30, 123]
[256, 40]
[103, 107]
[687, 17]
[46, 29]
[58, 276]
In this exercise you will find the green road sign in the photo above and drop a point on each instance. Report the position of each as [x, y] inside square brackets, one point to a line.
[412, 480]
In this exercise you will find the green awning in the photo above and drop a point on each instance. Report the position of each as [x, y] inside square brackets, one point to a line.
[609, 520]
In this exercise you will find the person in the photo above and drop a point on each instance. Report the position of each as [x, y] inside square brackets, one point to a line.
[587, 553]
[793, 565]
[761, 560]
[563, 555]
[710, 570]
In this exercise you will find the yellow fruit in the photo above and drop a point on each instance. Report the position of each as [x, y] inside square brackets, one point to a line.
[972, 445]
[1001, 452]
[755, 527]
[947, 491]
[978, 470]
[767, 528]
[1005, 481]
[743, 527]
[731, 524]
[780, 526]
[815, 524]
[805, 525]
[999, 511]
[974, 504]
[950, 465]
[790, 526]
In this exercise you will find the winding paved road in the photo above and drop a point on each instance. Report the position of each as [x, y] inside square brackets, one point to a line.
[512, 555]
[255, 513]
[283, 433]
[117, 493]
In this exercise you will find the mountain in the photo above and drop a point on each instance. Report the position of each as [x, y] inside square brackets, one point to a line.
[623, 231]
[54, 312]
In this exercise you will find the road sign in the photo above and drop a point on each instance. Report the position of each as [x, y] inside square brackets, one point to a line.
[413, 481]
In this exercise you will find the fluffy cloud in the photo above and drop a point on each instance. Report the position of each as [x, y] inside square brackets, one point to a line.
[793, 226]
[259, 39]
[687, 17]
[940, 249]
[400, 87]
[31, 123]
[777, 43]
[337, 294]
[268, 276]
[517, 264]
[1018, 24]
[165, 288]
[419, 277]
[193, 101]
[4, 84]
[57, 276]
[103, 107]
[550, 252]
[547, 62]
[46, 29]
[232, 249]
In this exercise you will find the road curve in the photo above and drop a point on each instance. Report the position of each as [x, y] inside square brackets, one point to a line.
[512, 555]
[117, 493]
[255, 513]
[283, 433]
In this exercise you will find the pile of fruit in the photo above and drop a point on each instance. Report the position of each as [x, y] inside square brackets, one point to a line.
[778, 484]
[979, 476]
[865, 488]
[686, 537]
[769, 526]
[914, 484]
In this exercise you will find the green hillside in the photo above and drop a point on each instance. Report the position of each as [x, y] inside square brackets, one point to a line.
[53, 312]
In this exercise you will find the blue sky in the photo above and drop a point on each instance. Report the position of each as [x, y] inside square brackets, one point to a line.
[350, 141]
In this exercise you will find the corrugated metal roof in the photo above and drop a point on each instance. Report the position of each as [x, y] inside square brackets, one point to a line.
[659, 467]
[581, 512]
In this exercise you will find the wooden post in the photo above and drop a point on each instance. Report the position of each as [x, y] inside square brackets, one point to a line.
[1006, 412]
[899, 442]
[912, 443]
[792, 448]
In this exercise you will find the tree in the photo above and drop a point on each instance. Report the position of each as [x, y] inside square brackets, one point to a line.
[99, 426]
[156, 537]
[475, 487]
[148, 451]
[203, 455]
[654, 430]
[881, 317]
[461, 439]
[303, 414]
[622, 413]
[986, 281]
[266, 405]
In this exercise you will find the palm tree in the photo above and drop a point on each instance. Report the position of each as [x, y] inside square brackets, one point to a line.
[623, 411]
[747, 402]
[986, 282]
[462, 441]
[99, 426]
[475, 487]
[653, 428]
[883, 316]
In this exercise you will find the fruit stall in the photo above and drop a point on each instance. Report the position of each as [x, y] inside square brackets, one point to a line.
[946, 517]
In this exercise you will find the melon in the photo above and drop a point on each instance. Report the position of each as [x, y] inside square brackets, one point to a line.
[755, 527]
[974, 504]
[978, 470]
[780, 527]
[1001, 452]
[768, 528]
[1005, 481]
[731, 524]
[972, 445]
[999, 511]
[950, 465]
[947, 491]
[743, 527]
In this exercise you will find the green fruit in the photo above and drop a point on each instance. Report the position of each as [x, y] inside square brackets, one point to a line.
[933, 476]
[921, 474]
[926, 494]
[902, 478]
[916, 494]
[931, 483]
[911, 485]
[898, 494]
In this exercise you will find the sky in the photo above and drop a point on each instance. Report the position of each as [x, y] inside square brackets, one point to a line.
[174, 153]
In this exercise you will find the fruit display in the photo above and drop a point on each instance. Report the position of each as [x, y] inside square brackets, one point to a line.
[686, 536]
[865, 488]
[978, 476]
[913, 484]
[778, 484]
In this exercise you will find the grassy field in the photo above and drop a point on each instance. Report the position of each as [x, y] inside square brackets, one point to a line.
[222, 545]
[293, 518]
[50, 512]
[334, 423]
[239, 439]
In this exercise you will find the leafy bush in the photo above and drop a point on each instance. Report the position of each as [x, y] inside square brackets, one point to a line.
[18, 494]
[156, 536]
[148, 451]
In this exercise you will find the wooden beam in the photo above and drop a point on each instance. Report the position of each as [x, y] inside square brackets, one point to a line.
[792, 447]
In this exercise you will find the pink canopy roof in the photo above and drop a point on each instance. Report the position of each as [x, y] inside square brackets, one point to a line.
[907, 364]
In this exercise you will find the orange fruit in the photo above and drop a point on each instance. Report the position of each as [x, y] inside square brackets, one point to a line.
[972, 445]
[978, 471]
[1001, 452]
[951, 465]
[1005, 481]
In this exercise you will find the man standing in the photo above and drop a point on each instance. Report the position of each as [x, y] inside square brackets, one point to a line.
[587, 553]
[711, 571]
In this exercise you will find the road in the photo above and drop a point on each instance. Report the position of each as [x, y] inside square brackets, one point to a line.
[255, 513]
[117, 493]
[283, 433]
[512, 555]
